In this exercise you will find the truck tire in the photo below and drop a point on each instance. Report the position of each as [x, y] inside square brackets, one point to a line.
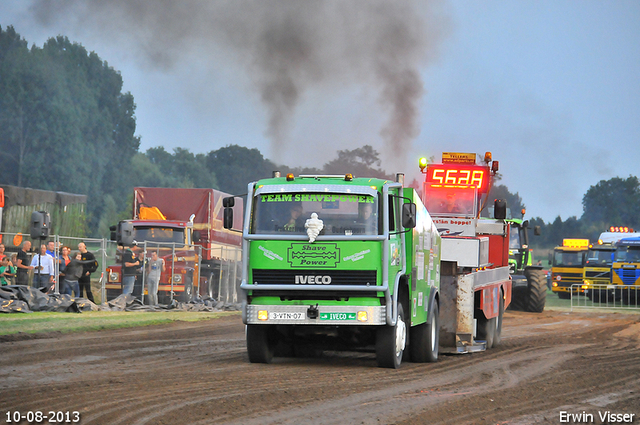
[536, 291]
[564, 295]
[391, 341]
[486, 329]
[425, 339]
[259, 344]
[187, 294]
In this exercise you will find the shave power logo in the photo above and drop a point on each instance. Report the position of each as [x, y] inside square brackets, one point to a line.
[317, 255]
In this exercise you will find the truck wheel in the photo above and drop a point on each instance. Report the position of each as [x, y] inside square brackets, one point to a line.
[187, 294]
[486, 329]
[259, 345]
[536, 291]
[391, 341]
[564, 295]
[425, 339]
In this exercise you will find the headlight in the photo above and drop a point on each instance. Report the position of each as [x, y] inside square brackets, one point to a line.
[177, 278]
[114, 277]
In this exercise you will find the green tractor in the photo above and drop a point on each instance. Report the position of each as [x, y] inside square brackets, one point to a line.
[529, 281]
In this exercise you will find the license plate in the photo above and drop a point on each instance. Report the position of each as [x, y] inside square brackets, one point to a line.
[337, 316]
[286, 316]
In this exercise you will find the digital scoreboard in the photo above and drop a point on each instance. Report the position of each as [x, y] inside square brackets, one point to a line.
[458, 176]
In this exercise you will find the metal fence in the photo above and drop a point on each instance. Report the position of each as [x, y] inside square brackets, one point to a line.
[618, 297]
[221, 275]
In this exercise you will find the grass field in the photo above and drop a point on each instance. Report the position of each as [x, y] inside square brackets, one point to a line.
[94, 320]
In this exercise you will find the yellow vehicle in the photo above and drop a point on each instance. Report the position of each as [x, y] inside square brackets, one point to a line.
[597, 273]
[567, 267]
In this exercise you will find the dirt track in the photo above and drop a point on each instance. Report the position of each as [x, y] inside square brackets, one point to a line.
[198, 373]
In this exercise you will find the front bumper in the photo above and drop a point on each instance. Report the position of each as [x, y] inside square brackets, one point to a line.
[315, 315]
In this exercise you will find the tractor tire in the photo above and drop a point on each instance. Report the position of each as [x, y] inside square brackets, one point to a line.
[536, 291]
[259, 343]
[518, 297]
[391, 342]
[425, 339]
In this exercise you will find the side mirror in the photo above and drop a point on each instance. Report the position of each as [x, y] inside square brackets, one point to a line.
[124, 233]
[228, 202]
[525, 224]
[195, 236]
[536, 231]
[409, 215]
[500, 209]
[228, 217]
[112, 234]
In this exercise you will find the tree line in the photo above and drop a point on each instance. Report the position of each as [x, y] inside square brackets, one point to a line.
[66, 125]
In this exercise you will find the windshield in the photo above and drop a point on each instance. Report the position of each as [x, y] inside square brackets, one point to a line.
[514, 237]
[341, 214]
[568, 258]
[599, 257]
[628, 254]
[159, 234]
[459, 203]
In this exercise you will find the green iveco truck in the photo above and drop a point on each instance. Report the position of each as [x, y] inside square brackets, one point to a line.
[339, 262]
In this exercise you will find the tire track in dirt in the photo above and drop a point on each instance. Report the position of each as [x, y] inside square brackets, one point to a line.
[198, 373]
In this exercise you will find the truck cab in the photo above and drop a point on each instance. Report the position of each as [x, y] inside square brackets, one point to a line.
[625, 270]
[341, 263]
[567, 267]
[173, 241]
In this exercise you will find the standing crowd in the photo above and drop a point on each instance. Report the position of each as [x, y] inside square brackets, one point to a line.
[74, 269]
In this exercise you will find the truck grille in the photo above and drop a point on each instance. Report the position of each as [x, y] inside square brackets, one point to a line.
[629, 276]
[316, 277]
[599, 275]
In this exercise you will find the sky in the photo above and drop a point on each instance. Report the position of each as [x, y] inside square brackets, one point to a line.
[551, 88]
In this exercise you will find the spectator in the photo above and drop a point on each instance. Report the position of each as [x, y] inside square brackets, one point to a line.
[51, 250]
[7, 271]
[88, 267]
[44, 273]
[131, 266]
[14, 261]
[155, 268]
[2, 254]
[22, 259]
[72, 273]
[64, 261]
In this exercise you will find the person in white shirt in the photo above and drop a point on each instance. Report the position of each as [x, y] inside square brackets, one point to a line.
[43, 268]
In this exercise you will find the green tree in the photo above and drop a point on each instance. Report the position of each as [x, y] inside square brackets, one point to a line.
[235, 166]
[613, 202]
[363, 161]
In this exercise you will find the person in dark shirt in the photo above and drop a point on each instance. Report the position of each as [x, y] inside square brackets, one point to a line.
[131, 266]
[22, 264]
[88, 267]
